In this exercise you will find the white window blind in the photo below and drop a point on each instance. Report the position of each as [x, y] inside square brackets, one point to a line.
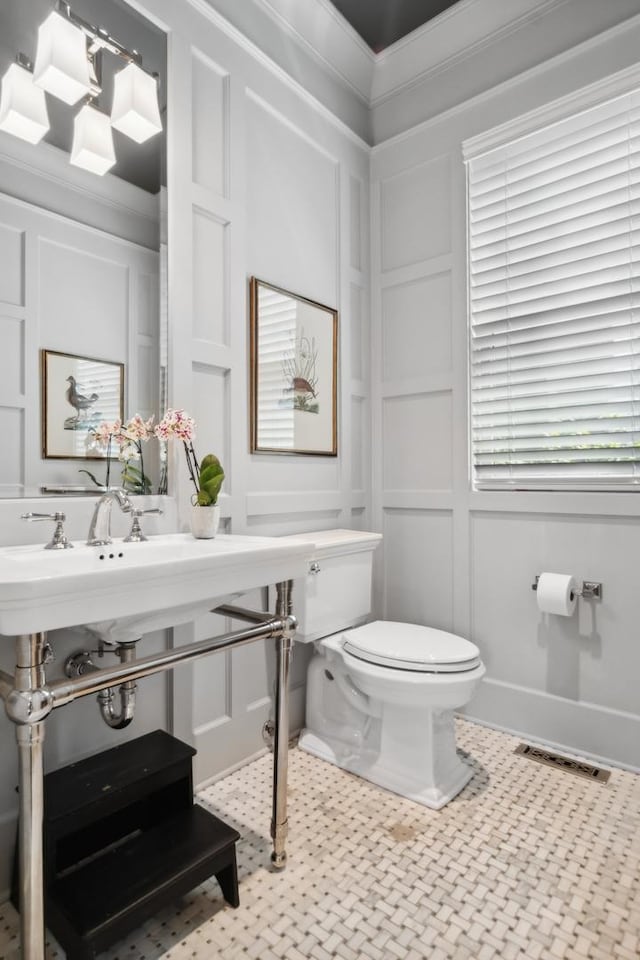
[554, 250]
[278, 318]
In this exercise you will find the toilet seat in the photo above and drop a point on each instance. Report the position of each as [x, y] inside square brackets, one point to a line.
[410, 646]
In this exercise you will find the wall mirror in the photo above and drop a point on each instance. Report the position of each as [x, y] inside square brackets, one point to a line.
[294, 374]
[84, 266]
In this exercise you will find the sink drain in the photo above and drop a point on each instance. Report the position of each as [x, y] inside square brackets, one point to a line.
[579, 767]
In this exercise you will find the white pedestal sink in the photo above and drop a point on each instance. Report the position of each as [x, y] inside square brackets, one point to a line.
[136, 587]
[120, 592]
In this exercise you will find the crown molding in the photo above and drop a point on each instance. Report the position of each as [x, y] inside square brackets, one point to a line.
[449, 39]
[208, 8]
[608, 86]
[617, 85]
[322, 29]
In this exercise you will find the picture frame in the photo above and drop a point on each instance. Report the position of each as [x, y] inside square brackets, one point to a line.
[78, 393]
[294, 373]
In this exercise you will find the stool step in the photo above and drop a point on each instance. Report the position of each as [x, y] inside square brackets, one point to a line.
[96, 903]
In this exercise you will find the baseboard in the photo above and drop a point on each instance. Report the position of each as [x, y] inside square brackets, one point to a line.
[596, 733]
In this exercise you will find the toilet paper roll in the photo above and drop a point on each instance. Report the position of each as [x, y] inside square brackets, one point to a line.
[557, 593]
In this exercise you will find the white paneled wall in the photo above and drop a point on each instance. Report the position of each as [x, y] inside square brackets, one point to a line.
[70, 288]
[261, 183]
[465, 561]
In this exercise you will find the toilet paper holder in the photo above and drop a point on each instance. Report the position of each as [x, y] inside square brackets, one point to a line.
[591, 589]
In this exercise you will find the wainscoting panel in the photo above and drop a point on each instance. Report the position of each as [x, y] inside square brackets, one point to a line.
[11, 355]
[210, 104]
[417, 442]
[210, 271]
[357, 200]
[359, 427]
[568, 657]
[416, 328]
[83, 300]
[418, 567]
[356, 303]
[291, 220]
[13, 267]
[416, 214]
[211, 387]
[12, 460]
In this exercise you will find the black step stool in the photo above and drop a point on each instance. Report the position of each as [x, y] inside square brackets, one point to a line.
[122, 839]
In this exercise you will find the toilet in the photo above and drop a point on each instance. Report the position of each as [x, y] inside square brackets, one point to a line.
[381, 695]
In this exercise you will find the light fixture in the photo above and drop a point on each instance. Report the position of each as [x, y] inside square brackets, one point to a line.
[61, 66]
[68, 65]
[92, 141]
[135, 110]
[23, 109]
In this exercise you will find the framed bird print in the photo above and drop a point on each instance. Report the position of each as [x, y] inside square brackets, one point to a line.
[294, 373]
[78, 393]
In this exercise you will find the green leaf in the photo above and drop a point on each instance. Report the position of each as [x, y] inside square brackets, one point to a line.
[209, 472]
[133, 480]
[210, 460]
[211, 477]
[97, 482]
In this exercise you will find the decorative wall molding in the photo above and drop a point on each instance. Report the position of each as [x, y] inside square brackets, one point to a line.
[454, 36]
[511, 88]
[573, 103]
[357, 132]
[44, 177]
[329, 37]
[294, 501]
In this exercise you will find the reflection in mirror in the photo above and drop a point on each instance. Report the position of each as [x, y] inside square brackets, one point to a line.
[293, 373]
[84, 272]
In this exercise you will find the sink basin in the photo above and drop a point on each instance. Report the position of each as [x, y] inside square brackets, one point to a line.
[127, 589]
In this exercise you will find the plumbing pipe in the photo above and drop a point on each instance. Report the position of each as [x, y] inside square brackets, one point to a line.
[119, 719]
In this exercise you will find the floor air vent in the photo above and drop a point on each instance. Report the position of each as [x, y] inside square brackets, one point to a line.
[578, 767]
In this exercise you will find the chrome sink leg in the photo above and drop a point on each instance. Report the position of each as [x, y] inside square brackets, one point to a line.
[29, 675]
[279, 822]
[30, 739]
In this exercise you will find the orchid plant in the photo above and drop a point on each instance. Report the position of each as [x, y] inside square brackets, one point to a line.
[128, 439]
[206, 476]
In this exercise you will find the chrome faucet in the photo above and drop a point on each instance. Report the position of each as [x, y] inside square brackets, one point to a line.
[100, 529]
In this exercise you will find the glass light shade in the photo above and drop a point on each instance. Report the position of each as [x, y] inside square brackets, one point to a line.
[23, 109]
[61, 66]
[92, 146]
[135, 110]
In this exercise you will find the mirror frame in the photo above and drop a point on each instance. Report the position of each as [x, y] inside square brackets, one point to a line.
[306, 397]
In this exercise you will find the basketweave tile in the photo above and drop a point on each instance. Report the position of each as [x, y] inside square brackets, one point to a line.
[528, 862]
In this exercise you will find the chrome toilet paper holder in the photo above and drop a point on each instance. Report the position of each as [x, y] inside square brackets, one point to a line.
[591, 589]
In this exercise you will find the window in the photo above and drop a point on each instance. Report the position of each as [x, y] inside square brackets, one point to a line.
[554, 293]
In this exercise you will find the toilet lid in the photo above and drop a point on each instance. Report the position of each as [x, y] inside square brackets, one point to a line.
[409, 646]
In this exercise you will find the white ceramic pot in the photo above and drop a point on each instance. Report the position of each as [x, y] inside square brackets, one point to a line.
[204, 521]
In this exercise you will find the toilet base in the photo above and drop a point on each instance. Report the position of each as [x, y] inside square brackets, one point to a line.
[369, 765]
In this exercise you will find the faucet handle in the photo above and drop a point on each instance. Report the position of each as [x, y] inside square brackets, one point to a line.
[135, 534]
[59, 540]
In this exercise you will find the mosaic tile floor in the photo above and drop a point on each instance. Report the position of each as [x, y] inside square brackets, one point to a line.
[527, 862]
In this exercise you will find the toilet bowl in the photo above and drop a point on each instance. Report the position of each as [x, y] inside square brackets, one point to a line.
[381, 701]
[381, 695]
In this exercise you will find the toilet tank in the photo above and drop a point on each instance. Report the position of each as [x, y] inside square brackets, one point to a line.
[336, 593]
